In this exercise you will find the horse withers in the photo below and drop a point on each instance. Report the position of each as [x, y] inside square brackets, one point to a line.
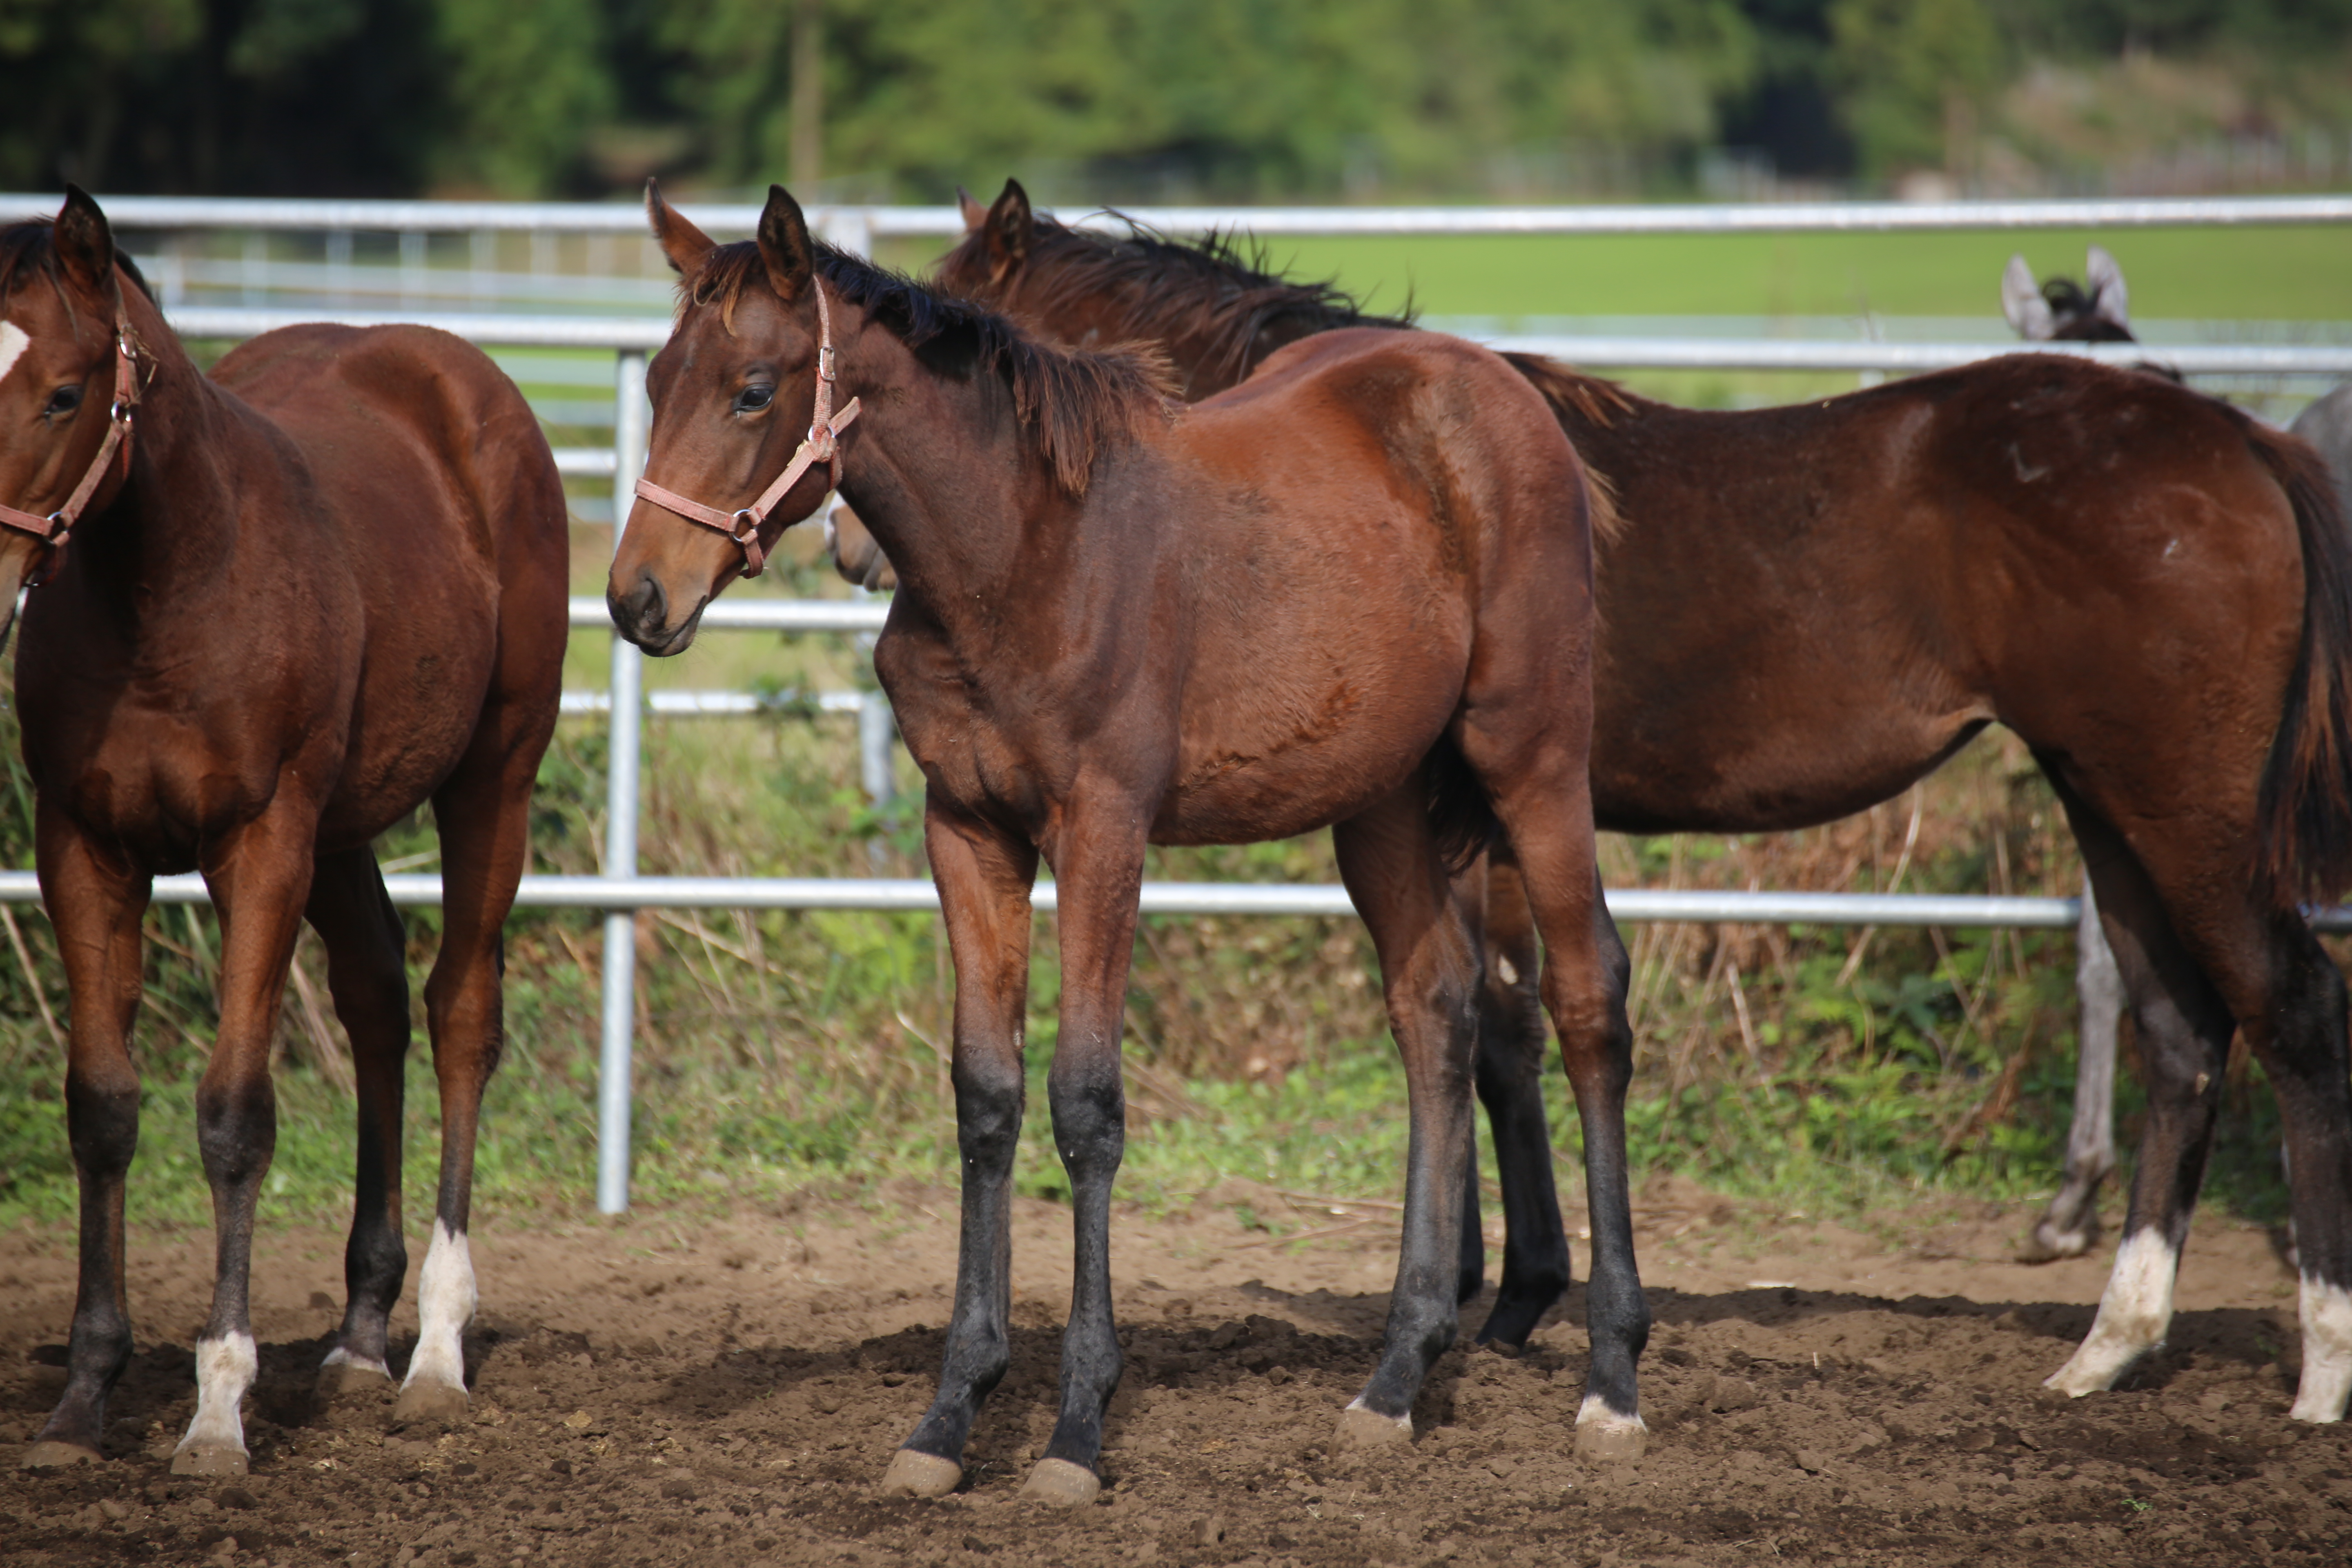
[1356, 591]
[284, 607]
[1805, 609]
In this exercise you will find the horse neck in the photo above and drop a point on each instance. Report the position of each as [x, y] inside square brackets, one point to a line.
[174, 523]
[961, 527]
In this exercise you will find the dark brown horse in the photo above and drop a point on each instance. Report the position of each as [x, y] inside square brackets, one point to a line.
[1355, 591]
[1805, 609]
[306, 596]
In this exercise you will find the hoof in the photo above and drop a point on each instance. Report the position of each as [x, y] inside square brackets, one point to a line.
[1605, 1438]
[1362, 1430]
[353, 1380]
[2048, 1243]
[1062, 1483]
[429, 1403]
[208, 1459]
[51, 1455]
[916, 1474]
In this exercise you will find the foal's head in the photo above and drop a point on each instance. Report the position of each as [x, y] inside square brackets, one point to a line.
[60, 299]
[736, 388]
[2096, 311]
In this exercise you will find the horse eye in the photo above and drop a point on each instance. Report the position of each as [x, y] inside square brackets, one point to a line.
[63, 400]
[751, 399]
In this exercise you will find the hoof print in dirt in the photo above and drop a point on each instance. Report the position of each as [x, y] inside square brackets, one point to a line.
[430, 1403]
[1061, 1483]
[1363, 1431]
[917, 1475]
[208, 1459]
[56, 1456]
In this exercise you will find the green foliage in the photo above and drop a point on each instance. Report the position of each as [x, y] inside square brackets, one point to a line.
[1915, 74]
[525, 79]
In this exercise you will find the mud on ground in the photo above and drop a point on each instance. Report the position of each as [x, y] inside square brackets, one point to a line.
[664, 1391]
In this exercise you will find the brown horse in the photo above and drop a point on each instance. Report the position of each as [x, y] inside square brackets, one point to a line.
[304, 597]
[1355, 591]
[1806, 609]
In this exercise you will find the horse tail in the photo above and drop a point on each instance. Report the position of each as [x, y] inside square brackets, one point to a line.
[2306, 793]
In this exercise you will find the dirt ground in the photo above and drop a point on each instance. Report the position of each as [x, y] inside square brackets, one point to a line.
[666, 1391]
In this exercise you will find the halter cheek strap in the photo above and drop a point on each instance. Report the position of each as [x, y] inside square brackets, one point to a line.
[53, 528]
[820, 446]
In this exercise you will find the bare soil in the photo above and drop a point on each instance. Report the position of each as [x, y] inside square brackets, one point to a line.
[667, 1390]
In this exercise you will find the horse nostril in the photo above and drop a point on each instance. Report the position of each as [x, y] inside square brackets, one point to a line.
[647, 607]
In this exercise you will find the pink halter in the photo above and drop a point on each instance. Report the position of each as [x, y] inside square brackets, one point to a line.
[54, 528]
[822, 446]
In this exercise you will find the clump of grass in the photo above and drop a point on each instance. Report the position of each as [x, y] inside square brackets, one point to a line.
[1829, 1067]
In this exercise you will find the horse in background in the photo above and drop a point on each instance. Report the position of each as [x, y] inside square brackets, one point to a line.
[2098, 310]
[1805, 609]
[282, 607]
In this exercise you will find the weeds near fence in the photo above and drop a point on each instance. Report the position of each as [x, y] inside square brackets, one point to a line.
[1835, 1068]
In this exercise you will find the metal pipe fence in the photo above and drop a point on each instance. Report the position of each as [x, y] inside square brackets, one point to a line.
[621, 890]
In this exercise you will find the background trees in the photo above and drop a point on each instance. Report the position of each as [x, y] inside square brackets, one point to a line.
[1138, 99]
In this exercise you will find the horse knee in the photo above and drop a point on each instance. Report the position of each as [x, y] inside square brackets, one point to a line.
[989, 1099]
[1089, 1111]
[103, 1120]
[237, 1127]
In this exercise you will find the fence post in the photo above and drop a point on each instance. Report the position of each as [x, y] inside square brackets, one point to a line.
[613, 1075]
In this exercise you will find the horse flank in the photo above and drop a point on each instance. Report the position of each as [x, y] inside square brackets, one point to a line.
[1071, 404]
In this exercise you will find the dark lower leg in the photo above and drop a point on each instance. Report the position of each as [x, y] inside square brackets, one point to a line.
[2303, 1053]
[1470, 1278]
[1511, 1039]
[988, 1133]
[103, 1120]
[1616, 1312]
[1090, 1129]
[367, 977]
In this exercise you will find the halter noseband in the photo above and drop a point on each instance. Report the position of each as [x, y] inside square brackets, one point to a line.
[55, 528]
[822, 446]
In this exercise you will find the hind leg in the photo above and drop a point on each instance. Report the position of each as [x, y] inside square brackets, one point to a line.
[483, 814]
[97, 908]
[1540, 788]
[2183, 1027]
[2070, 1224]
[367, 974]
[1511, 1039]
[1429, 969]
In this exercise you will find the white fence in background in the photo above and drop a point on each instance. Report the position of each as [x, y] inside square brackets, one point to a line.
[629, 338]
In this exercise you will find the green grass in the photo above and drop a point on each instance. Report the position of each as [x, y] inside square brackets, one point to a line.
[2269, 274]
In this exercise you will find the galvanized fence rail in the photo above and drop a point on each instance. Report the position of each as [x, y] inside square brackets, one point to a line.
[621, 890]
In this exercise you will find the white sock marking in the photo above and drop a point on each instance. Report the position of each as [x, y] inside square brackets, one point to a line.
[2133, 1313]
[225, 1369]
[445, 1305]
[13, 342]
[2326, 1351]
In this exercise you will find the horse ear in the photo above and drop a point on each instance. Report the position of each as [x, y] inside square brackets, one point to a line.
[2109, 298]
[683, 245]
[974, 215]
[2021, 303]
[784, 244]
[1010, 226]
[85, 243]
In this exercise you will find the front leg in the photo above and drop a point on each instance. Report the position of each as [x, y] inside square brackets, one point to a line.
[97, 907]
[1099, 875]
[259, 879]
[983, 877]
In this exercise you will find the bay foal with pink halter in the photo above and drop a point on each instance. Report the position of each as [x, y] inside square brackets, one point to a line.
[286, 605]
[1355, 593]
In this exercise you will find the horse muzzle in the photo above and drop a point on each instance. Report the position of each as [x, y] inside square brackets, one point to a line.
[641, 612]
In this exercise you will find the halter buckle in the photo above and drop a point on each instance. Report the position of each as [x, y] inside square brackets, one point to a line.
[747, 526]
